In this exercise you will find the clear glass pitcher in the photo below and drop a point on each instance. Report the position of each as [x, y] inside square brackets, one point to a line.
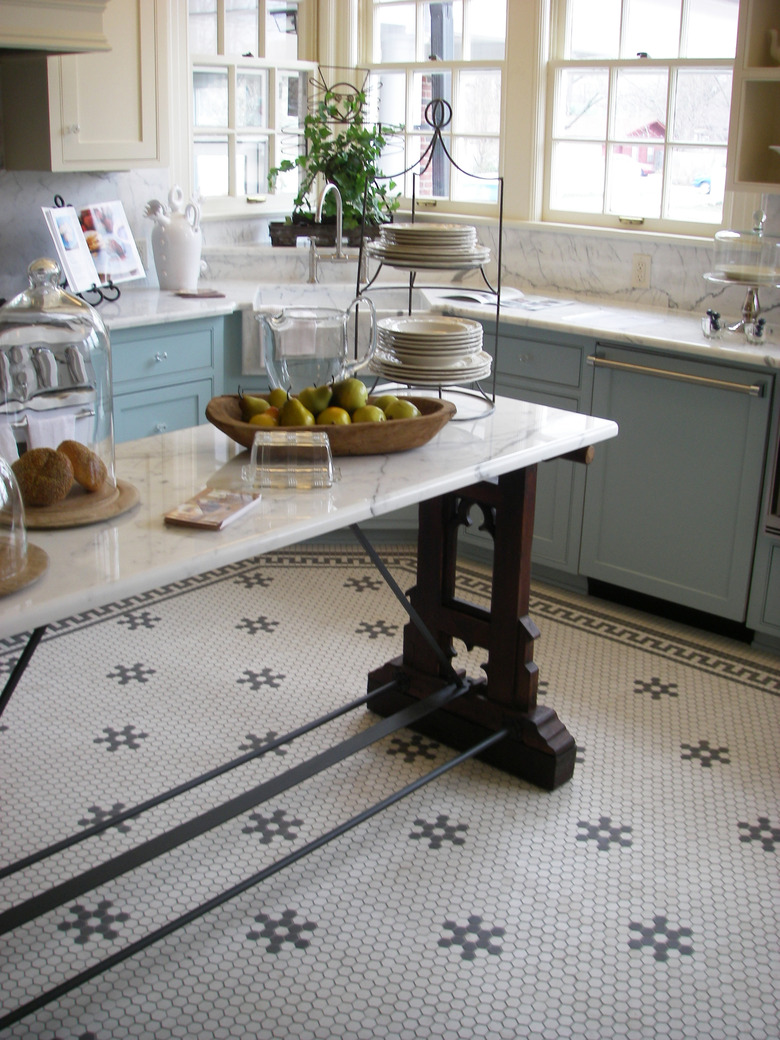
[309, 346]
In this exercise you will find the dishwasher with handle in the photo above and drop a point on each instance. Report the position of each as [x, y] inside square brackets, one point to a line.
[672, 505]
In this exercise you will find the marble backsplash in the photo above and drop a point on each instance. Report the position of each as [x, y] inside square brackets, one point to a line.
[588, 265]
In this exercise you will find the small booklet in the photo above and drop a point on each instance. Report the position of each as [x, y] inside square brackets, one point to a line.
[213, 509]
[95, 245]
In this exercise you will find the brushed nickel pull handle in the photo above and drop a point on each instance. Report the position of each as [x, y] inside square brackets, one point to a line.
[755, 389]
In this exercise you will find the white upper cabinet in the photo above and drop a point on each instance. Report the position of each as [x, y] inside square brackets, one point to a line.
[55, 26]
[100, 111]
[754, 131]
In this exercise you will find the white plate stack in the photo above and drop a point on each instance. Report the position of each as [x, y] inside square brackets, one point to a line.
[429, 246]
[430, 351]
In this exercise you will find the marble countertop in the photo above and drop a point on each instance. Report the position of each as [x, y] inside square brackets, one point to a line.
[125, 556]
[677, 331]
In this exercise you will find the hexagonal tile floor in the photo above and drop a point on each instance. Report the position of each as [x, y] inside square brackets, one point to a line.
[640, 900]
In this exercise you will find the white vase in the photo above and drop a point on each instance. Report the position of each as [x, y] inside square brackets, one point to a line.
[177, 246]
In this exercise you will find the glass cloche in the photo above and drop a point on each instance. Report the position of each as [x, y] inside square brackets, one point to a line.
[55, 373]
[747, 257]
[13, 534]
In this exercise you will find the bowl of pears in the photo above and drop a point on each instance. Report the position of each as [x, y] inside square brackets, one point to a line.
[356, 422]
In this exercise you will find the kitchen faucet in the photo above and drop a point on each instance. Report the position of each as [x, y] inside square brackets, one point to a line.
[339, 254]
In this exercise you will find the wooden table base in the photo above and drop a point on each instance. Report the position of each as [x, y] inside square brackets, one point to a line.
[539, 748]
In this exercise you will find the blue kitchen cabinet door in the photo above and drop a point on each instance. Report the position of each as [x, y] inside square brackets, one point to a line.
[672, 503]
[545, 368]
[145, 413]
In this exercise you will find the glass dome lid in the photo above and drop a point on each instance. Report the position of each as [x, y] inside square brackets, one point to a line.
[13, 534]
[55, 372]
[747, 257]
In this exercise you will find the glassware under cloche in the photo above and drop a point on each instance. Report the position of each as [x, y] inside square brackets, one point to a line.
[55, 371]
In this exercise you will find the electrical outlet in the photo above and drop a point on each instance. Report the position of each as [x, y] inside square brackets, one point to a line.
[640, 271]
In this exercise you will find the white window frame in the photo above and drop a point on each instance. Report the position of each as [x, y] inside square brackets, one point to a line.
[660, 225]
[182, 64]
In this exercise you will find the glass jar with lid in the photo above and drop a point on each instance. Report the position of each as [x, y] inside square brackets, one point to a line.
[55, 371]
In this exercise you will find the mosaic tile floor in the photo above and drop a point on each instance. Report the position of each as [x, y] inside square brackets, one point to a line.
[640, 900]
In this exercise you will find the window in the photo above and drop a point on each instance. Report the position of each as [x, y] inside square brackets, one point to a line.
[420, 50]
[639, 116]
[249, 93]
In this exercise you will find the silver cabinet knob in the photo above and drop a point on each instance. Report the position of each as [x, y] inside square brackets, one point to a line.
[160, 427]
[161, 355]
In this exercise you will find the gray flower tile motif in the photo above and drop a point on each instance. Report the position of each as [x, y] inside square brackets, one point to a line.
[472, 937]
[280, 930]
[661, 938]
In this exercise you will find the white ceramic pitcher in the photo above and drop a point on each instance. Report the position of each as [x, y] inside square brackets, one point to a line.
[177, 242]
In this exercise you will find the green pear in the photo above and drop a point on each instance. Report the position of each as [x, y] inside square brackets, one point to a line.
[368, 413]
[350, 394]
[402, 409]
[384, 401]
[252, 405]
[278, 396]
[316, 398]
[293, 413]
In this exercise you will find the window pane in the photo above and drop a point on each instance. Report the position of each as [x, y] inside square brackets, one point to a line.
[394, 32]
[210, 97]
[485, 30]
[427, 87]
[210, 155]
[251, 90]
[697, 183]
[640, 104]
[442, 30]
[577, 181]
[593, 29]
[581, 103]
[476, 155]
[281, 30]
[387, 97]
[202, 23]
[434, 171]
[711, 29]
[652, 28]
[701, 106]
[251, 166]
[290, 97]
[241, 22]
[633, 185]
[479, 102]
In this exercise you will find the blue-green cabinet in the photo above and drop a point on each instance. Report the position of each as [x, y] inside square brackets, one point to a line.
[165, 375]
[546, 368]
[672, 504]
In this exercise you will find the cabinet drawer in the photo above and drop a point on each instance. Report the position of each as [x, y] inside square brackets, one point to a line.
[535, 360]
[146, 412]
[163, 355]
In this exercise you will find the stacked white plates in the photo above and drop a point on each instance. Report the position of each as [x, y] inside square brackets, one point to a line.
[429, 246]
[430, 351]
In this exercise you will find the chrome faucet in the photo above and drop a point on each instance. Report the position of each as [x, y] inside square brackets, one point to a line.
[339, 254]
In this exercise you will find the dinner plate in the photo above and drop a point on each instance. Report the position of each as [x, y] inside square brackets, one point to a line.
[435, 325]
[447, 362]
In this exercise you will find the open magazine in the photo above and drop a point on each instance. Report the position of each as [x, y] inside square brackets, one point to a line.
[94, 244]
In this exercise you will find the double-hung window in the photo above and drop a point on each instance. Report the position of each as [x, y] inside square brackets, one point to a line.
[637, 126]
[249, 93]
[453, 50]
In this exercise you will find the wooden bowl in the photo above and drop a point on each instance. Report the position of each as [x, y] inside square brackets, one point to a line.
[370, 438]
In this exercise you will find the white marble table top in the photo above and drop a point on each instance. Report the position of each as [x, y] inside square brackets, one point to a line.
[111, 560]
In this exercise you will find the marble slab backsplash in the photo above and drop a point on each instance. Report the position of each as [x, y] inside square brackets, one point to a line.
[594, 266]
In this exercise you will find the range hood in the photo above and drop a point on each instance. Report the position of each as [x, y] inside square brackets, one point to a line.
[52, 26]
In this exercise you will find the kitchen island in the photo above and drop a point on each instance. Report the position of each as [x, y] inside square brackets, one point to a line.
[490, 462]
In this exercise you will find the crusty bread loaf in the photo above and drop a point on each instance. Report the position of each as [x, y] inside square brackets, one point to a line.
[88, 468]
[45, 476]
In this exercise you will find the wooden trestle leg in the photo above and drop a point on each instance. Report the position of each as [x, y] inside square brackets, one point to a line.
[539, 748]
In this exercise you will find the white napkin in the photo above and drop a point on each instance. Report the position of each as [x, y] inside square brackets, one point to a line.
[8, 448]
[49, 431]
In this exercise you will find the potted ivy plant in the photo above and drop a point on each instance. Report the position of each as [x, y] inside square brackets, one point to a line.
[342, 149]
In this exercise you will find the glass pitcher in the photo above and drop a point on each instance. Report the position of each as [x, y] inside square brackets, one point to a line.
[309, 346]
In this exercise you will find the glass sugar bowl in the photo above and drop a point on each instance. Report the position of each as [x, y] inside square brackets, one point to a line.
[55, 379]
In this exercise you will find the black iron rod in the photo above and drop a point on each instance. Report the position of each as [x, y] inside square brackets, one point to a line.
[188, 785]
[19, 667]
[450, 674]
[243, 886]
[76, 886]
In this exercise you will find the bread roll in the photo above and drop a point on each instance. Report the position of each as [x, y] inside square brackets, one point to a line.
[45, 476]
[88, 468]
